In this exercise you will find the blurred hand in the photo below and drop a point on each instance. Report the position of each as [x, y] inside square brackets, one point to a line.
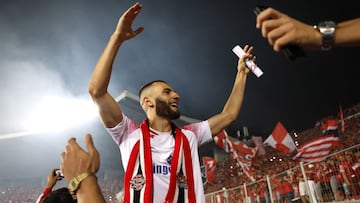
[282, 30]
[52, 178]
[75, 160]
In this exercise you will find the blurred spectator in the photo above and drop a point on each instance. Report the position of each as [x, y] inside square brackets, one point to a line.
[286, 190]
[61, 195]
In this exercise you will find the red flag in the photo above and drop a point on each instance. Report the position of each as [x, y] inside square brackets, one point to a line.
[230, 144]
[317, 149]
[342, 120]
[329, 126]
[244, 155]
[221, 140]
[280, 139]
[210, 165]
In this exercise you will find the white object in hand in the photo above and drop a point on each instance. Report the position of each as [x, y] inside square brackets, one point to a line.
[249, 63]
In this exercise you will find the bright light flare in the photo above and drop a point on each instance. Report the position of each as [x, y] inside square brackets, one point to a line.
[55, 114]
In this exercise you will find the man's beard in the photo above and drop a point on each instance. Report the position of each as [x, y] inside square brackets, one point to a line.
[163, 109]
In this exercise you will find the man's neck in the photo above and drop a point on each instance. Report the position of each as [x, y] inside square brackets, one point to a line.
[160, 124]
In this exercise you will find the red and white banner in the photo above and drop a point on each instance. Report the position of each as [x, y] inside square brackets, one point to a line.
[210, 166]
[317, 149]
[243, 154]
[280, 139]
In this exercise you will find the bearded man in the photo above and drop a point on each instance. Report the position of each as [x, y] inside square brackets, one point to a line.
[161, 161]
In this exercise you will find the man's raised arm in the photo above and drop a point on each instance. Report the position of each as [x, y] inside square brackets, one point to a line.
[232, 107]
[110, 111]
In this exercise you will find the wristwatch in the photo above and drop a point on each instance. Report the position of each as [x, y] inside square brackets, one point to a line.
[74, 183]
[327, 30]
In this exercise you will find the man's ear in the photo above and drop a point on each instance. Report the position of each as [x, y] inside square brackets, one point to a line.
[148, 102]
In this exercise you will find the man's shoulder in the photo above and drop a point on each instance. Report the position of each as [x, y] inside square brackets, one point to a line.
[193, 127]
[200, 130]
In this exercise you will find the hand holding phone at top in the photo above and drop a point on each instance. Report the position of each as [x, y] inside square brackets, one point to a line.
[291, 51]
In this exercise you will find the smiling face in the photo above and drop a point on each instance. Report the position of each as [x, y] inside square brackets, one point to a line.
[166, 110]
[160, 95]
[166, 101]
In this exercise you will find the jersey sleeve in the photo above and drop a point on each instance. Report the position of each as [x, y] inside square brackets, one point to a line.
[201, 130]
[120, 132]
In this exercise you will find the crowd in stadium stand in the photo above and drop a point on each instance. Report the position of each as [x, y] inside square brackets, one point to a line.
[345, 159]
[277, 164]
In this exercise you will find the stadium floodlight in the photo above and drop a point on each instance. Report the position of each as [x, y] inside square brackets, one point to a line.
[54, 114]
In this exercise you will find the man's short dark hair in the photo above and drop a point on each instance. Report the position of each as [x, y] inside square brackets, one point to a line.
[61, 195]
[149, 84]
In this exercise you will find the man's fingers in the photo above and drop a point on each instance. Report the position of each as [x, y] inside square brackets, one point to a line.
[53, 170]
[137, 8]
[89, 144]
[71, 139]
[62, 156]
[133, 11]
[93, 153]
[72, 145]
[138, 31]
